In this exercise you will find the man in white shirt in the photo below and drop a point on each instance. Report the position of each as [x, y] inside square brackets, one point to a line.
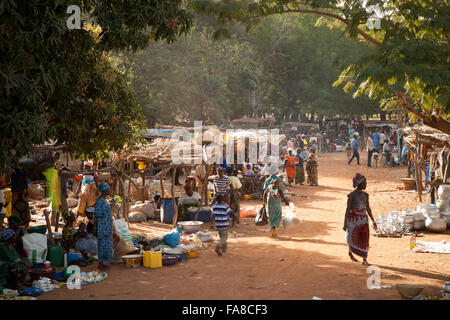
[382, 138]
[387, 152]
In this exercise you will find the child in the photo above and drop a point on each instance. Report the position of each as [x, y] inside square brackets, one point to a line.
[86, 241]
[68, 232]
[221, 215]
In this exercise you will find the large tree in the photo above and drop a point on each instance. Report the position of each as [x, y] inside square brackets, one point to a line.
[411, 62]
[57, 84]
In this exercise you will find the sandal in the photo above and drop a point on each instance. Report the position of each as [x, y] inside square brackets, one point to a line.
[218, 251]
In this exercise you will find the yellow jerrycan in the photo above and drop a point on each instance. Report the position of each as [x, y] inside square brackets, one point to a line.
[152, 259]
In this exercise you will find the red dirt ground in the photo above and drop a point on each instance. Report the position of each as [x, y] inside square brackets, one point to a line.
[306, 260]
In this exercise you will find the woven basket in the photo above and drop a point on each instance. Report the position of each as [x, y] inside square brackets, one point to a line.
[409, 183]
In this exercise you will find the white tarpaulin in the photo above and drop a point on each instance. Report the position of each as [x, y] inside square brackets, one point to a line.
[432, 247]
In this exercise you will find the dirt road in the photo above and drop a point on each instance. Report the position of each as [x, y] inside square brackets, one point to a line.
[307, 260]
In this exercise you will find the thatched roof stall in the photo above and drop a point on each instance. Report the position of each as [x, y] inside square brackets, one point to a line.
[302, 125]
[247, 123]
[431, 149]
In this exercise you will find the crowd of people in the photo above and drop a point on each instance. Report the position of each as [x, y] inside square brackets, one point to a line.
[90, 229]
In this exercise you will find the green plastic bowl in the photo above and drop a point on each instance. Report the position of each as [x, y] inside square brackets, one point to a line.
[37, 229]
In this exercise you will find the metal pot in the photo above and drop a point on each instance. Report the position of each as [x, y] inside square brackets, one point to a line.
[419, 225]
[407, 220]
[425, 206]
[436, 224]
[442, 204]
[444, 191]
[190, 226]
[446, 215]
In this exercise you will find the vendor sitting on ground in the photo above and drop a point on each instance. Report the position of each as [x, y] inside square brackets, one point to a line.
[13, 269]
[187, 200]
[86, 241]
[14, 223]
[248, 170]
[68, 232]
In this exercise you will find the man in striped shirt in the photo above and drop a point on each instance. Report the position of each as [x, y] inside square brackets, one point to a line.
[221, 214]
[222, 185]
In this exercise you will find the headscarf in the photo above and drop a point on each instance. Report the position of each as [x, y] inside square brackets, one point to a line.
[88, 179]
[67, 214]
[89, 163]
[8, 234]
[358, 179]
[103, 186]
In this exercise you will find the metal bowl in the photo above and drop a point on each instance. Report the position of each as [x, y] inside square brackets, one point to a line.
[190, 226]
[408, 291]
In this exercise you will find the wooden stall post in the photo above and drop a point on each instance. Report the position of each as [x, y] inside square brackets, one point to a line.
[175, 207]
[205, 186]
[161, 183]
[129, 190]
[49, 227]
[418, 170]
[143, 186]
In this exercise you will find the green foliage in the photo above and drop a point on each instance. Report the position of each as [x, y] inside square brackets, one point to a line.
[412, 48]
[284, 66]
[56, 84]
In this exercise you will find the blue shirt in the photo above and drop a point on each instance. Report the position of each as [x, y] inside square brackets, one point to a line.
[355, 145]
[376, 140]
[300, 161]
[221, 212]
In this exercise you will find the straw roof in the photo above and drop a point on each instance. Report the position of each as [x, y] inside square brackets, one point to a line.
[247, 122]
[301, 124]
[426, 135]
[162, 150]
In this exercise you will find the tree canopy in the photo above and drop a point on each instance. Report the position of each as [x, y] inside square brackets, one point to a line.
[410, 64]
[57, 84]
[284, 67]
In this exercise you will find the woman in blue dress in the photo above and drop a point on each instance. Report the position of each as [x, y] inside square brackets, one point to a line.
[103, 215]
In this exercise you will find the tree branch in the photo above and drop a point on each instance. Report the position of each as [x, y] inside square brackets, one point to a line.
[321, 13]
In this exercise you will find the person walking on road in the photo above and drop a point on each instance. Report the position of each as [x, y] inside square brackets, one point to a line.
[355, 148]
[369, 150]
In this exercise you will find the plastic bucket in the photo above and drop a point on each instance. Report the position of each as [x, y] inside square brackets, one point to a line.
[203, 215]
[167, 211]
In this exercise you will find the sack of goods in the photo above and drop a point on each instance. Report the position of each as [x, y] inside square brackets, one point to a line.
[35, 246]
[290, 218]
[35, 191]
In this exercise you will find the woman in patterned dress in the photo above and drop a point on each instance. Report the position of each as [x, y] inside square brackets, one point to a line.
[311, 168]
[103, 215]
[356, 222]
[289, 164]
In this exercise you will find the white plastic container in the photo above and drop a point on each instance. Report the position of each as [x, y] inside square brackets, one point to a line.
[437, 225]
